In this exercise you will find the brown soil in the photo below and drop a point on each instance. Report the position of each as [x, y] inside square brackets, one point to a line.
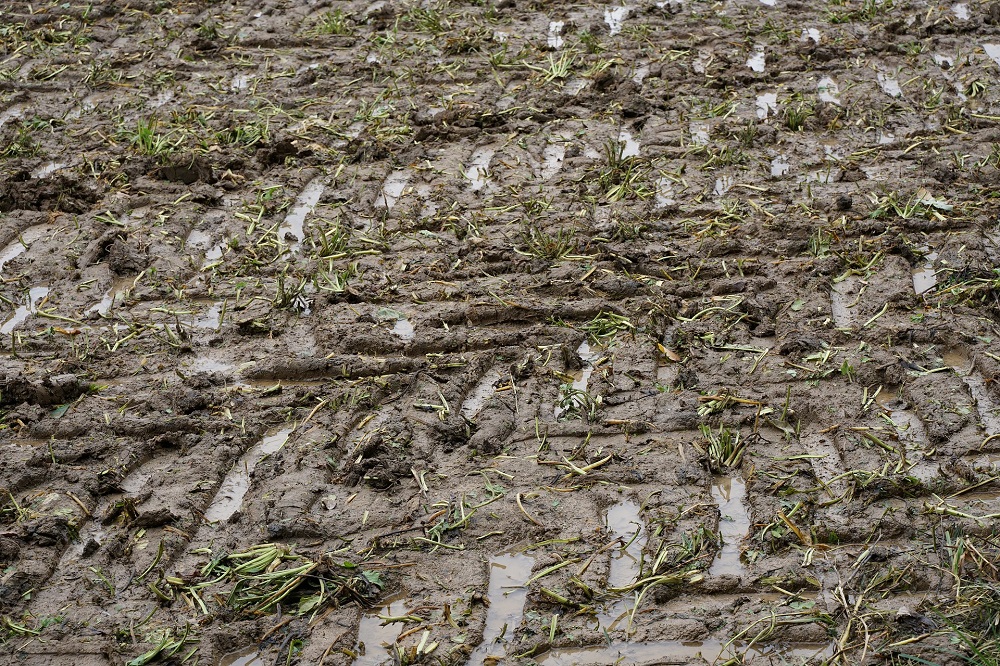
[556, 332]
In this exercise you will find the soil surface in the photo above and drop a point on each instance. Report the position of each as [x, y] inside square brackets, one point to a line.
[499, 331]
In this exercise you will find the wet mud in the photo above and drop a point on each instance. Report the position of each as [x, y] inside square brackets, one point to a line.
[499, 332]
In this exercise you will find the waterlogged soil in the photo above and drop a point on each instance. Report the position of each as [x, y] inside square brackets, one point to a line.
[566, 333]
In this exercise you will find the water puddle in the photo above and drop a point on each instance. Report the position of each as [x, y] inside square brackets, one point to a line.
[210, 318]
[553, 157]
[245, 657]
[828, 90]
[582, 376]
[734, 524]
[392, 188]
[507, 594]
[757, 61]
[810, 33]
[292, 230]
[119, 291]
[202, 241]
[630, 146]
[780, 166]
[35, 297]
[841, 302]
[925, 277]
[989, 412]
[482, 392]
[664, 653]
[478, 171]
[699, 134]
[769, 3]
[555, 39]
[624, 523]
[376, 637]
[993, 51]
[229, 498]
[163, 98]
[889, 86]
[943, 61]
[19, 245]
[205, 364]
[240, 82]
[665, 192]
[47, 170]
[403, 329]
[961, 11]
[641, 72]
[766, 105]
[723, 185]
[615, 18]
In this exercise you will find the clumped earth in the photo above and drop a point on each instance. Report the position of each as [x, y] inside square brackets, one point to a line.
[409, 332]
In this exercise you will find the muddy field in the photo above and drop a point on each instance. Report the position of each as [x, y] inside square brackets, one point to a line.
[518, 332]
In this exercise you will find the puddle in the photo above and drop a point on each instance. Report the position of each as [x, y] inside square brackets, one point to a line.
[210, 318]
[508, 574]
[376, 638]
[393, 188]
[553, 156]
[757, 61]
[925, 277]
[240, 82]
[665, 192]
[200, 240]
[631, 145]
[482, 392]
[699, 134]
[664, 653]
[204, 364]
[723, 185]
[828, 90]
[641, 73]
[19, 245]
[161, 99]
[961, 11]
[989, 412]
[993, 51]
[625, 523]
[119, 290]
[581, 377]
[555, 34]
[229, 498]
[766, 105]
[293, 228]
[403, 329]
[734, 524]
[245, 657]
[615, 18]
[943, 61]
[810, 33]
[780, 166]
[769, 3]
[841, 302]
[47, 170]
[35, 296]
[478, 172]
[889, 86]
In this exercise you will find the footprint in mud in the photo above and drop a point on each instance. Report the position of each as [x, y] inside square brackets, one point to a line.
[35, 297]
[292, 230]
[507, 594]
[229, 497]
[625, 524]
[734, 524]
